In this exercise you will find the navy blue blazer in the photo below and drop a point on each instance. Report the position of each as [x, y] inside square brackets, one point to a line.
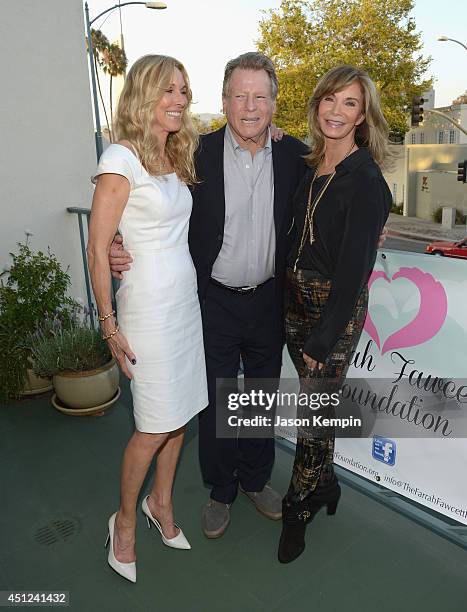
[206, 231]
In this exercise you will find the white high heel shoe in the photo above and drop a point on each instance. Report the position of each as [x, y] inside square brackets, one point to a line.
[127, 570]
[179, 541]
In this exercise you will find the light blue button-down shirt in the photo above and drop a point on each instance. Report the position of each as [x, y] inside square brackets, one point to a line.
[247, 254]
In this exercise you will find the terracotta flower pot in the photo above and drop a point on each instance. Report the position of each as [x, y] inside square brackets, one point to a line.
[89, 389]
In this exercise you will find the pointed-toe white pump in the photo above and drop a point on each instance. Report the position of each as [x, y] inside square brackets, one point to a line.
[179, 541]
[127, 570]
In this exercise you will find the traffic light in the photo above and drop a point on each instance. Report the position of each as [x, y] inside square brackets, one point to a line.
[417, 111]
[462, 171]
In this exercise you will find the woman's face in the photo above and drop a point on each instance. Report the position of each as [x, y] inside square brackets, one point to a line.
[340, 112]
[169, 110]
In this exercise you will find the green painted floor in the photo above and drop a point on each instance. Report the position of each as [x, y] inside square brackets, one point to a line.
[59, 468]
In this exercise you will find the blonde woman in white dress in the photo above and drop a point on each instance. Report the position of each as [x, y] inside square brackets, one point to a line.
[141, 190]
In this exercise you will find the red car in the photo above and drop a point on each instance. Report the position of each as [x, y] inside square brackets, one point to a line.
[448, 249]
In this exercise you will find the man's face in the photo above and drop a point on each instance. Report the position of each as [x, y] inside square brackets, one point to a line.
[249, 106]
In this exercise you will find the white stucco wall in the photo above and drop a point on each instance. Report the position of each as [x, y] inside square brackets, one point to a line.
[47, 151]
[424, 177]
[435, 189]
[438, 164]
[395, 175]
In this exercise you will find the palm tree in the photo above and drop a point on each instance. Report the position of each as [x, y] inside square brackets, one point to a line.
[115, 63]
[100, 45]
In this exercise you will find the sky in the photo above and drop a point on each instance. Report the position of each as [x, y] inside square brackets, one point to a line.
[205, 34]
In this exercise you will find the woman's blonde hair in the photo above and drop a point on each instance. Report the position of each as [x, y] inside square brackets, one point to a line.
[144, 87]
[372, 133]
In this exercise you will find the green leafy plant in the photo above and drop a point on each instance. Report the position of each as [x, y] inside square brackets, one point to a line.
[71, 346]
[437, 216]
[305, 38]
[397, 209]
[13, 364]
[36, 288]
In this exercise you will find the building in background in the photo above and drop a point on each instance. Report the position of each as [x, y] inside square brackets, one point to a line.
[436, 129]
[48, 153]
[424, 178]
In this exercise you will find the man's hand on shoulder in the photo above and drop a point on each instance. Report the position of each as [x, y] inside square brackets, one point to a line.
[277, 133]
[119, 259]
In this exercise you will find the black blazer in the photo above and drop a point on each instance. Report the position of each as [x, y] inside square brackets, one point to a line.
[206, 231]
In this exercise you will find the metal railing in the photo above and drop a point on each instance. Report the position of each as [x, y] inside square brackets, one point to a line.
[84, 212]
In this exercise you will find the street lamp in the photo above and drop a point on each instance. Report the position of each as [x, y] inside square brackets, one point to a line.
[445, 38]
[149, 5]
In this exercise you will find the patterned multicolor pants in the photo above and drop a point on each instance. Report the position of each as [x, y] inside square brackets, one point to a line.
[308, 292]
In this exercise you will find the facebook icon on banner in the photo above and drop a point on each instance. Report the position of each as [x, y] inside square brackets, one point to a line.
[384, 450]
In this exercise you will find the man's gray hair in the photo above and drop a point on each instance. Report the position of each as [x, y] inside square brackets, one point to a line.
[251, 61]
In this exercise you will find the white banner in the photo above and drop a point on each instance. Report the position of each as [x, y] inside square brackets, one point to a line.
[415, 329]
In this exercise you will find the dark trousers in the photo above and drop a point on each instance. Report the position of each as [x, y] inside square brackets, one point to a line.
[308, 293]
[247, 326]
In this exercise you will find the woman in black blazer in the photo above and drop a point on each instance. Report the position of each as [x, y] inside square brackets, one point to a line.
[340, 209]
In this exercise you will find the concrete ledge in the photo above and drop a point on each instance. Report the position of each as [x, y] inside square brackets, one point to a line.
[413, 236]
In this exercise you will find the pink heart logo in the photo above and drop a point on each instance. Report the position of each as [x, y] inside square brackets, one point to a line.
[428, 321]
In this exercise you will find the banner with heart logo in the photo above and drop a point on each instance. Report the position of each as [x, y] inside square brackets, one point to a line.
[416, 328]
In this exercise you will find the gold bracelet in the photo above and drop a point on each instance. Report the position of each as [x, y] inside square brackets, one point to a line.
[107, 316]
[111, 334]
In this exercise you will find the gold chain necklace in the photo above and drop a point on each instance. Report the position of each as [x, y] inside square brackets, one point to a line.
[308, 225]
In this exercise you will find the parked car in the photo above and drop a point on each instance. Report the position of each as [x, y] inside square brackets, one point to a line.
[448, 249]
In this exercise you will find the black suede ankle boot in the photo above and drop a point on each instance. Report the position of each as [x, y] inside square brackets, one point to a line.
[294, 521]
[296, 516]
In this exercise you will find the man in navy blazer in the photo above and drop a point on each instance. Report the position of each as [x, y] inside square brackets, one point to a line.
[240, 235]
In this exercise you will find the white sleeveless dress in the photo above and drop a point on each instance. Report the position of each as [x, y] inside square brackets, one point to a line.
[157, 303]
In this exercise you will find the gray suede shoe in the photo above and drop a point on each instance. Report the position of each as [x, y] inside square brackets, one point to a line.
[216, 518]
[267, 501]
